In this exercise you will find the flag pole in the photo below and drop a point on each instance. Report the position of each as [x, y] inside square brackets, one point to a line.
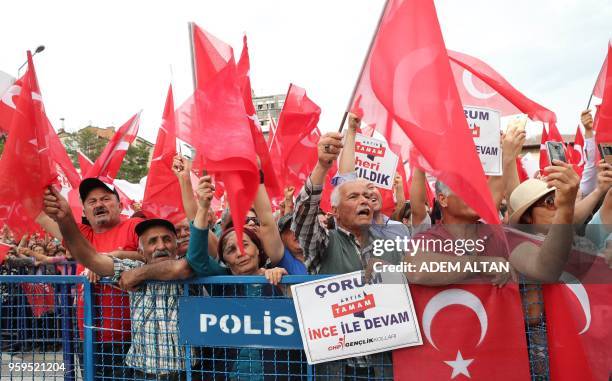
[363, 64]
[606, 62]
[591, 97]
[194, 74]
[191, 50]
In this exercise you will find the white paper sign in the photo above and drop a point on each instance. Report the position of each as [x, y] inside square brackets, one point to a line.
[374, 161]
[485, 126]
[343, 316]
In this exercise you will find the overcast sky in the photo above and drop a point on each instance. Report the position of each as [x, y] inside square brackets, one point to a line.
[106, 60]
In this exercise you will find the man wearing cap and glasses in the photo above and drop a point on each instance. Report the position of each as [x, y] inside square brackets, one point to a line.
[107, 233]
[154, 351]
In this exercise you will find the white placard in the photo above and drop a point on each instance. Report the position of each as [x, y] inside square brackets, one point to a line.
[374, 161]
[345, 316]
[485, 126]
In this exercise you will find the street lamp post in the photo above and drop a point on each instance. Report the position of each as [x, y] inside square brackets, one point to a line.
[39, 49]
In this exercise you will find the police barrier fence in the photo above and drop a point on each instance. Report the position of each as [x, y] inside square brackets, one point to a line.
[230, 328]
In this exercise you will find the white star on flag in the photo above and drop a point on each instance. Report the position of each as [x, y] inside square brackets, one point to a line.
[460, 366]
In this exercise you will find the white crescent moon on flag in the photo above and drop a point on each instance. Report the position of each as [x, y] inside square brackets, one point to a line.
[579, 291]
[6, 81]
[450, 297]
[471, 89]
[578, 149]
[7, 97]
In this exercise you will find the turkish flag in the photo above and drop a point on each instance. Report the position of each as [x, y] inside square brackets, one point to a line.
[577, 152]
[300, 159]
[522, 174]
[578, 325]
[407, 90]
[26, 168]
[41, 297]
[108, 163]
[578, 312]
[9, 91]
[544, 162]
[7, 105]
[68, 175]
[492, 90]
[294, 146]
[261, 147]
[598, 90]
[603, 118]
[272, 130]
[126, 201]
[162, 195]
[472, 332]
[222, 118]
[85, 163]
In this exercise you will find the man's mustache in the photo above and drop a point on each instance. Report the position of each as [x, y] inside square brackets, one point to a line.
[100, 210]
[161, 253]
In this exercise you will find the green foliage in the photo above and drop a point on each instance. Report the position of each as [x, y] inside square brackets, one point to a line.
[134, 165]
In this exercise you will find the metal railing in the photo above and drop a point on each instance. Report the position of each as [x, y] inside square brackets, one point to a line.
[56, 328]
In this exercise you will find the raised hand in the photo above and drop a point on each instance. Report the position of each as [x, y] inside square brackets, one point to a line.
[205, 192]
[329, 148]
[563, 177]
[55, 205]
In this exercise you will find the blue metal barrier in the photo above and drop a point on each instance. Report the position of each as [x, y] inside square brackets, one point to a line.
[157, 349]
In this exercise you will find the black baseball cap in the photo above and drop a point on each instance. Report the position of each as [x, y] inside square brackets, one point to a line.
[147, 224]
[91, 183]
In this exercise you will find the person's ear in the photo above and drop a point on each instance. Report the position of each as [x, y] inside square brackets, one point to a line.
[443, 200]
[334, 211]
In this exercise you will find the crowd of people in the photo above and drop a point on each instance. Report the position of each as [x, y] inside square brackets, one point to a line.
[138, 335]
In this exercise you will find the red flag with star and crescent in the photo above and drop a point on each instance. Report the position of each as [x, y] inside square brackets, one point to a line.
[543, 153]
[7, 106]
[108, 163]
[577, 311]
[578, 325]
[471, 332]
[480, 85]
[578, 152]
[603, 119]
[261, 146]
[162, 196]
[26, 166]
[408, 92]
[221, 117]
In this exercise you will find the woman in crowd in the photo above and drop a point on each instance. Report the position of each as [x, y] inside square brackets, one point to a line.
[242, 364]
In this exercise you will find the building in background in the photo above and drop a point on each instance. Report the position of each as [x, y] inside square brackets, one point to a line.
[268, 106]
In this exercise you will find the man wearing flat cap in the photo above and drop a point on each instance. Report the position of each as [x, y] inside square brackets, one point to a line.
[153, 307]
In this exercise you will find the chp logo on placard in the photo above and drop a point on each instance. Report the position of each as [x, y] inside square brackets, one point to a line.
[374, 161]
[346, 316]
[485, 127]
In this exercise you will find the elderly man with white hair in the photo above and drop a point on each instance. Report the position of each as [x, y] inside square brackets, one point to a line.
[346, 248]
